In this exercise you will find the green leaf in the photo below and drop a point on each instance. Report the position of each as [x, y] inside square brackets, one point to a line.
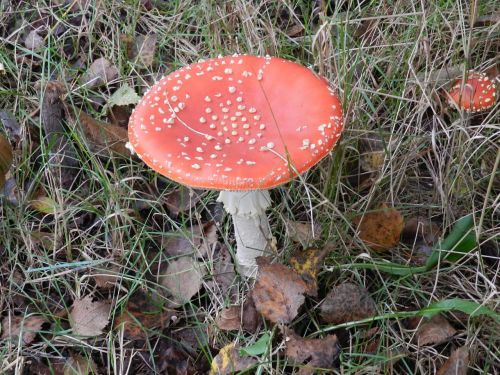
[257, 348]
[125, 95]
[468, 307]
[459, 241]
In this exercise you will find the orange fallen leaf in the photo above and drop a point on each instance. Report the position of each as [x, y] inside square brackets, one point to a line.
[380, 229]
[279, 291]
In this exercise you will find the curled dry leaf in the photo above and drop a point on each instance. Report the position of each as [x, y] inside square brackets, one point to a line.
[457, 363]
[182, 279]
[307, 264]
[380, 229]
[88, 318]
[279, 291]
[26, 328]
[314, 354]
[143, 50]
[347, 302]
[99, 73]
[230, 361]
[140, 315]
[434, 331]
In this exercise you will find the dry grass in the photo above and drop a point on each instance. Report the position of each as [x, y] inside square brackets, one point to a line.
[438, 164]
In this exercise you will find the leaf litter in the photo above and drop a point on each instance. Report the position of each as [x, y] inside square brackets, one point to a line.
[88, 318]
[279, 291]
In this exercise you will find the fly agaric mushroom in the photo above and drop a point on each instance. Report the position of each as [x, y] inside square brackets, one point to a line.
[476, 94]
[241, 124]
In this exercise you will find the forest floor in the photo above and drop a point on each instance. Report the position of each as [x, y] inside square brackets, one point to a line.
[387, 252]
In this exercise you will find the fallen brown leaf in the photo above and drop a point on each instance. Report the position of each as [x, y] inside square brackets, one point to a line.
[307, 264]
[223, 282]
[314, 354]
[347, 302]
[231, 317]
[457, 363]
[143, 50]
[278, 292]
[89, 318]
[419, 229]
[380, 229]
[6, 157]
[198, 241]
[183, 278]
[229, 361]
[302, 232]
[78, 365]
[101, 135]
[182, 200]
[27, 328]
[140, 315]
[435, 330]
[99, 73]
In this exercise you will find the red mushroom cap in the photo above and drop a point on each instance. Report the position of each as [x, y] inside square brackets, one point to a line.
[476, 94]
[236, 123]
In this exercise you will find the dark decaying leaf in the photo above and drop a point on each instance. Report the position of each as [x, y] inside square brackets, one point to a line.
[182, 200]
[99, 73]
[457, 363]
[11, 125]
[199, 241]
[21, 327]
[140, 315]
[307, 263]
[380, 229]
[173, 360]
[347, 302]
[279, 291]
[435, 330]
[229, 361]
[312, 354]
[6, 157]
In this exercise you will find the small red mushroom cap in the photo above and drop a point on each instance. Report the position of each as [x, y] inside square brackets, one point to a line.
[236, 123]
[476, 94]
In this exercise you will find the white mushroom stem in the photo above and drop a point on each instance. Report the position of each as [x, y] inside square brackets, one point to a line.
[251, 226]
